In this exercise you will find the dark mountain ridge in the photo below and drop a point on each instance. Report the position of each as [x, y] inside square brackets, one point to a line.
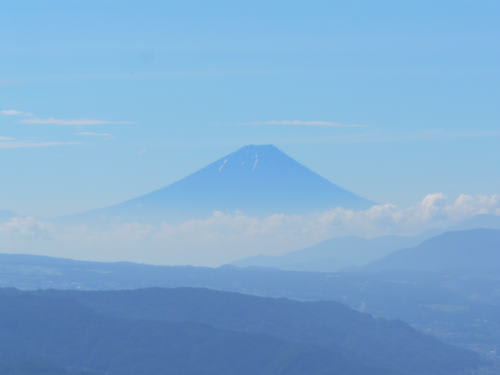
[220, 333]
[62, 331]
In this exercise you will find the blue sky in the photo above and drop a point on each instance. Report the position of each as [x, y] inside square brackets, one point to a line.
[117, 98]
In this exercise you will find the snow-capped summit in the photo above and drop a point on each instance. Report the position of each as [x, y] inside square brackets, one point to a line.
[255, 180]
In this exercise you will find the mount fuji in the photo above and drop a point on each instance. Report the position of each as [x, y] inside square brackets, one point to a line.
[255, 180]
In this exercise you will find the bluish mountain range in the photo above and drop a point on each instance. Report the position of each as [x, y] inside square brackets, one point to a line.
[476, 249]
[333, 255]
[348, 253]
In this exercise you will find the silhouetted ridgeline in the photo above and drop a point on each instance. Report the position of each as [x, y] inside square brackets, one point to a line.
[196, 331]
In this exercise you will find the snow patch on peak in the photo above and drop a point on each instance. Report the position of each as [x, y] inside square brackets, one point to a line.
[256, 162]
[222, 165]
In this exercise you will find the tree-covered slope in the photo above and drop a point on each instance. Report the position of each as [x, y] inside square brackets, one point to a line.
[330, 325]
[61, 331]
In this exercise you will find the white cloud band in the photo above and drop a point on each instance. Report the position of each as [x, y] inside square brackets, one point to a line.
[224, 237]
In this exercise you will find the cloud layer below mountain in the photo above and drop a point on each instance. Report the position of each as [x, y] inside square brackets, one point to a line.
[224, 237]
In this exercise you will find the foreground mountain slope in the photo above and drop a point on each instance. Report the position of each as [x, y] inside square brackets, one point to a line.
[61, 331]
[477, 249]
[459, 307]
[333, 255]
[256, 180]
[20, 365]
[330, 325]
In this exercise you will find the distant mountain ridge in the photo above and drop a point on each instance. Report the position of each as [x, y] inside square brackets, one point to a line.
[476, 249]
[333, 255]
[347, 253]
[254, 180]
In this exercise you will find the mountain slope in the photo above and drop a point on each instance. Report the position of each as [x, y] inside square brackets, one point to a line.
[62, 331]
[333, 255]
[477, 249]
[256, 180]
[330, 326]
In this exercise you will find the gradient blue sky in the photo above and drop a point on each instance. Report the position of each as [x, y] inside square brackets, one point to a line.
[171, 86]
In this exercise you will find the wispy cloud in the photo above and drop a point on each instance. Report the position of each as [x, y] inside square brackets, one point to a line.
[30, 118]
[94, 134]
[13, 112]
[12, 143]
[71, 122]
[312, 123]
[20, 144]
